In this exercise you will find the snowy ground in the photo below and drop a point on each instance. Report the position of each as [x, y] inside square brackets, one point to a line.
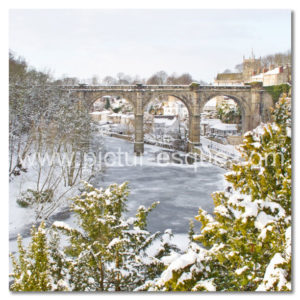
[181, 190]
[228, 150]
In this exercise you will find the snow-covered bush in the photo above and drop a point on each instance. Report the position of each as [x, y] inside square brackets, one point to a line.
[107, 251]
[246, 244]
[228, 113]
[40, 266]
[31, 197]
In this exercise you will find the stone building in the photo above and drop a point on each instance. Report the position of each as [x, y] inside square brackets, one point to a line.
[165, 124]
[176, 108]
[223, 130]
[229, 79]
[274, 76]
[101, 116]
[251, 66]
[253, 71]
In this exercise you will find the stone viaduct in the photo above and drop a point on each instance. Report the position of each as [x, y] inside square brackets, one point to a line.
[254, 103]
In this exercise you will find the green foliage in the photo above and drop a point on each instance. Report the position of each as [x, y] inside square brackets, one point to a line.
[194, 85]
[266, 173]
[108, 251]
[30, 197]
[255, 84]
[229, 114]
[58, 263]
[191, 230]
[247, 243]
[31, 272]
[117, 109]
[277, 90]
[107, 104]
[40, 267]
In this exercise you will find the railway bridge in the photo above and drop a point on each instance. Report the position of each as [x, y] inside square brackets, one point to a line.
[254, 103]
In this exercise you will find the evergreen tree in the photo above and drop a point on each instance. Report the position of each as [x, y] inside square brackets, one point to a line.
[32, 270]
[58, 263]
[109, 251]
[40, 267]
[107, 104]
[246, 245]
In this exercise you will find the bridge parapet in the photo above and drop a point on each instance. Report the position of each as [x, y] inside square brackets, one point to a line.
[128, 88]
[155, 87]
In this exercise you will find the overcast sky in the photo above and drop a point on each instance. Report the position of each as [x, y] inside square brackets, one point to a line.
[84, 43]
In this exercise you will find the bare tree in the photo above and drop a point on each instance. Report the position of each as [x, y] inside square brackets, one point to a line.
[109, 80]
[172, 79]
[239, 67]
[138, 79]
[95, 80]
[158, 78]
[46, 124]
[185, 78]
[123, 78]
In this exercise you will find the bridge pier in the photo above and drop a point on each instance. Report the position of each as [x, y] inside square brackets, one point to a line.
[246, 124]
[139, 135]
[256, 102]
[194, 132]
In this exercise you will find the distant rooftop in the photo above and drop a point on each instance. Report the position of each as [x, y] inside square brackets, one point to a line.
[229, 76]
[224, 127]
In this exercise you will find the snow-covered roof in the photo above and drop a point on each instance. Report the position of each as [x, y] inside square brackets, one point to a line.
[210, 121]
[224, 127]
[229, 76]
[259, 77]
[115, 115]
[115, 105]
[274, 71]
[104, 112]
[127, 116]
[166, 121]
[96, 113]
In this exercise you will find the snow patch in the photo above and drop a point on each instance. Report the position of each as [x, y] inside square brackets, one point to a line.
[262, 220]
[208, 285]
[241, 270]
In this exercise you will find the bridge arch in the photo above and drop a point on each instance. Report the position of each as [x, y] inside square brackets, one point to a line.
[239, 100]
[128, 97]
[193, 126]
[181, 98]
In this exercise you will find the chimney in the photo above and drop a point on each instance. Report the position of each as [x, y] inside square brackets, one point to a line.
[265, 70]
[281, 69]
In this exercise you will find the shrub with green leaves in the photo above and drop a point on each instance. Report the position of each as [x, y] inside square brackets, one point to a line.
[108, 250]
[40, 266]
[246, 244]
[31, 197]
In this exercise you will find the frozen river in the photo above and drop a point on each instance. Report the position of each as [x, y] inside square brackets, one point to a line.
[180, 189]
